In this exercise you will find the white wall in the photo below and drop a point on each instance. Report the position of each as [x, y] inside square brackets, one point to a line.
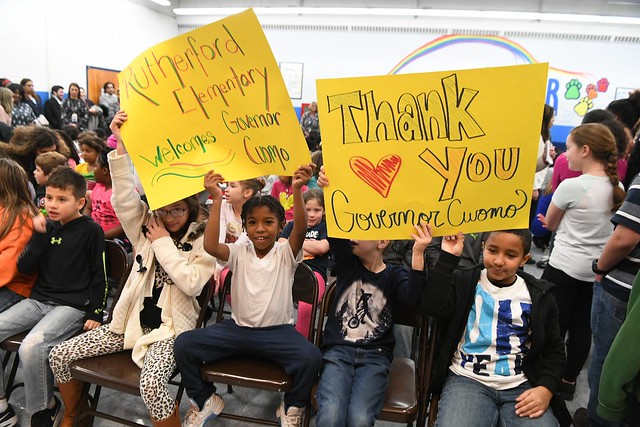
[52, 41]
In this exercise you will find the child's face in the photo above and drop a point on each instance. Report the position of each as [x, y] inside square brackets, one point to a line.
[235, 193]
[285, 179]
[503, 255]
[365, 248]
[102, 175]
[41, 178]
[88, 154]
[174, 224]
[314, 212]
[574, 155]
[62, 205]
[263, 228]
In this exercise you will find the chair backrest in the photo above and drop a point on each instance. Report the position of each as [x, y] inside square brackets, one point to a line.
[305, 289]
[118, 269]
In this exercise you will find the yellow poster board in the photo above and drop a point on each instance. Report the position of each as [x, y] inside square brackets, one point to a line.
[212, 98]
[456, 149]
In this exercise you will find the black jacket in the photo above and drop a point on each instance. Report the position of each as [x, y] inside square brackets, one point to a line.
[53, 113]
[69, 260]
[449, 295]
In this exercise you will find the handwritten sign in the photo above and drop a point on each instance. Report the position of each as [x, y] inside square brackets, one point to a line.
[212, 98]
[456, 149]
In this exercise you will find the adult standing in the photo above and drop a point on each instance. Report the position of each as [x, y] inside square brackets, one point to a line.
[74, 110]
[22, 114]
[110, 100]
[6, 105]
[31, 97]
[53, 107]
[311, 126]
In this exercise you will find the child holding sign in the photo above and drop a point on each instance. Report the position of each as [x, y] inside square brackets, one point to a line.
[261, 324]
[500, 353]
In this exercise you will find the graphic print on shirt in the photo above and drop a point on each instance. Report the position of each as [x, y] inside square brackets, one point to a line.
[497, 335]
[362, 312]
[311, 235]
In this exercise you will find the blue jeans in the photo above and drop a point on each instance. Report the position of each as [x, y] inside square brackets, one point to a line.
[352, 386]
[8, 298]
[281, 343]
[50, 324]
[466, 402]
[607, 315]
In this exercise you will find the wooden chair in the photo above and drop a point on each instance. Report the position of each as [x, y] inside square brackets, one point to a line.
[406, 375]
[118, 371]
[256, 372]
[117, 264]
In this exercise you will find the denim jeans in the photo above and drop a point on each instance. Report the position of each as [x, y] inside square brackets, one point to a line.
[352, 386]
[607, 315]
[50, 324]
[468, 403]
[280, 343]
[8, 298]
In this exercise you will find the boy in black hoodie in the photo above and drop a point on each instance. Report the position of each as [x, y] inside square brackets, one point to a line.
[500, 352]
[67, 251]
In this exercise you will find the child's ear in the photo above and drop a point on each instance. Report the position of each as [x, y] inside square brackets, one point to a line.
[525, 259]
[382, 244]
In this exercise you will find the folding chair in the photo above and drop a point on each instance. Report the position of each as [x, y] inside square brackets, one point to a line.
[118, 371]
[402, 398]
[256, 372]
[117, 264]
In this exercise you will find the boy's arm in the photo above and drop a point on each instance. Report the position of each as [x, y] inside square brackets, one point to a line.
[300, 178]
[98, 287]
[212, 243]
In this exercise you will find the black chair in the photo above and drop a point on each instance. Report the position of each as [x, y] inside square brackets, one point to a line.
[117, 265]
[256, 372]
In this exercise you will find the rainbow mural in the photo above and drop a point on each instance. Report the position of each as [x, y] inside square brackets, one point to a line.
[500, 42]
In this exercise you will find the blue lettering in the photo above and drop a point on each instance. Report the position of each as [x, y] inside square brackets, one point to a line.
[552, 93]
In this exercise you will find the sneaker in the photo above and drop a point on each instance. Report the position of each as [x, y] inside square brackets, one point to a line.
[49, 417]
[292, 417]
[567, 390]
[581, 418]
[211, 409]
[8, 418]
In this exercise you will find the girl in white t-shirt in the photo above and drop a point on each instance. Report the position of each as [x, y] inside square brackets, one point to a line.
[579, 213]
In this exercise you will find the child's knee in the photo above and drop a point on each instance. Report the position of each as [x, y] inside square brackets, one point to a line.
[313, 357]
[33, 342]
[359, 417]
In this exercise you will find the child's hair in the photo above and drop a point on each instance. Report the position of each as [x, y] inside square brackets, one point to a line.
[92, 140]
[317, 159]
[6, 100]
[597, 116]
[27, 139]
[50, 160]
[103, 157]
[619, 134]
[314, 194]
[15, 196]
[72, 131]
[547, 115]
[270, 202]
[523, 233]
[603, 147]
[627, 110]
[254, 184]
[65, 178]
[68, 142]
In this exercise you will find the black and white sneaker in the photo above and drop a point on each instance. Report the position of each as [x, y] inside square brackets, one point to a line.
[49, 417]
[8, 418]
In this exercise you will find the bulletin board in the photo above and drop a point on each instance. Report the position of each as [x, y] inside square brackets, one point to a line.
[292, 74]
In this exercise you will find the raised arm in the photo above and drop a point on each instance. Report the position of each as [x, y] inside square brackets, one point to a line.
[115, 125]
[300, 178]
[212, 243]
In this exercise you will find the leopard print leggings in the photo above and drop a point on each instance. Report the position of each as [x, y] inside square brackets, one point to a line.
[159, 364]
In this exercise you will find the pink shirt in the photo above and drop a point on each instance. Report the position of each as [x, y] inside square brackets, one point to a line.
[561, 170]
[284, 193]
[101, 209]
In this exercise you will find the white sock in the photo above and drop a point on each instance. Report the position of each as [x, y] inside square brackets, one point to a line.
[3, 404]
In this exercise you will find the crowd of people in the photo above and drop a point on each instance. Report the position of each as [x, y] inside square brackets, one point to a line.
[510, 345]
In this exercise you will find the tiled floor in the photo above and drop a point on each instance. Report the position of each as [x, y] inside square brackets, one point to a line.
[260, 404]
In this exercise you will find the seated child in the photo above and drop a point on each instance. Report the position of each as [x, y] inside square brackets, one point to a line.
[500, 352]
[99, 205]
[358, 339]
[315, 250]
[262, 319]
[90, 147]
[45, 164]
[67, 251]
[282, 190]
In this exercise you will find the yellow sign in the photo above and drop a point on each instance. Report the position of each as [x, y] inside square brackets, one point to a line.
[212, 98]
[456, 149]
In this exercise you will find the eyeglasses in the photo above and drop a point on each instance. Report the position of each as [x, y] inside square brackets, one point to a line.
[176, 213]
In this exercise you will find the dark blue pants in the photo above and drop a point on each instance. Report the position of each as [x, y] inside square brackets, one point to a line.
[281, 343]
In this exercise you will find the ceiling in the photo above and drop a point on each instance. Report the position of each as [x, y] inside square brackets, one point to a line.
[626, 8]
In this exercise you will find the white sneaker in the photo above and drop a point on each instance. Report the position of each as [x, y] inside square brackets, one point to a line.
[292, 418]
[211, 409]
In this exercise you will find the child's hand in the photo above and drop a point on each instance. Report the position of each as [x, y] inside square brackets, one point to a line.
[422, 237]
[116, 123]
[212, 183]
[302, 175]
[323, 181]
[533, 402]
[542, 220]
[453, 244]
[40, 223]
[90, 324]
[156, 230]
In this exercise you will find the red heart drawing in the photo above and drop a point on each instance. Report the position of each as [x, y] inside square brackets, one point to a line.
[379, 177]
